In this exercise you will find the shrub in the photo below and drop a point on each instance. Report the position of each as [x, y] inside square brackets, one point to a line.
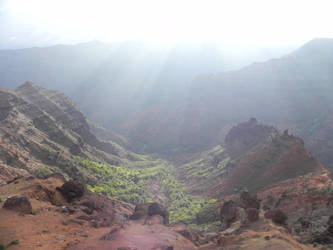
[13, 242]
[42, 173]
[207, 213]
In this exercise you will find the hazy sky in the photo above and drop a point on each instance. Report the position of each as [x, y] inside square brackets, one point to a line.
[249, 21]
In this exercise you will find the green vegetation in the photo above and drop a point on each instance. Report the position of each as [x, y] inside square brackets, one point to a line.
[121, 182]
[33, 212]
[13, 242]
[42, 173]
[207, 227]
[132, 185]
[192, 210]
[2, 246]
[210, 164]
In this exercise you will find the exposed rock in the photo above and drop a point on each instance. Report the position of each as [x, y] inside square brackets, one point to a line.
[247, 200]
[72, 190]
[158, 209]
[246, 136]
[252, 214]
[228, 213]
[268, 203]
[166, 248]
[150, 209]
[140, 211]
[253, 157]
[327, 236]
[277, 216]
[19, 204]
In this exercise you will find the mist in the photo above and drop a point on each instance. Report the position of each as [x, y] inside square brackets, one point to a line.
[265, 23]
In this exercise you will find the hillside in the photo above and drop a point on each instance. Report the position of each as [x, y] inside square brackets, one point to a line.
[43, 133]
[40, 126]
[66, 189]
[252, 157]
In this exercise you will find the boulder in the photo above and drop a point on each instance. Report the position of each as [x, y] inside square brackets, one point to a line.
[228, 213]
[140, 211]
[252, 214]
[19, 204]
[150, 209]
[246, 200]
[157, 209]
[72, 190]
[277, 216]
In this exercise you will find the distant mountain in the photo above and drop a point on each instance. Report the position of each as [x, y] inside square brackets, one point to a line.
[294, 91]
[119, 84]
[173, 100]
[61, 66]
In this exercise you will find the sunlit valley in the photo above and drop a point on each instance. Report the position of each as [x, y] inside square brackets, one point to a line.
[117, 132]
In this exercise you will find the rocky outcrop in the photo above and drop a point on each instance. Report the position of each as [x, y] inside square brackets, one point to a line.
[247, 136]
[277, 216]
[252, 214]
[228, 213]
[72, 190]
[253, 157]
[272, 157]
[325, 237]
[243, 208]
[18, 204]
[246, 200]
[304, 205]
[157, 209]
[150, 209]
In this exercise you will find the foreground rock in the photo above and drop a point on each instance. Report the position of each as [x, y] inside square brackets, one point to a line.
[246, 200]
[91, 222]
[304, 205]
[19, 204]
[229, 213]
[72, 190]
[277, 216]
[150, 209]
